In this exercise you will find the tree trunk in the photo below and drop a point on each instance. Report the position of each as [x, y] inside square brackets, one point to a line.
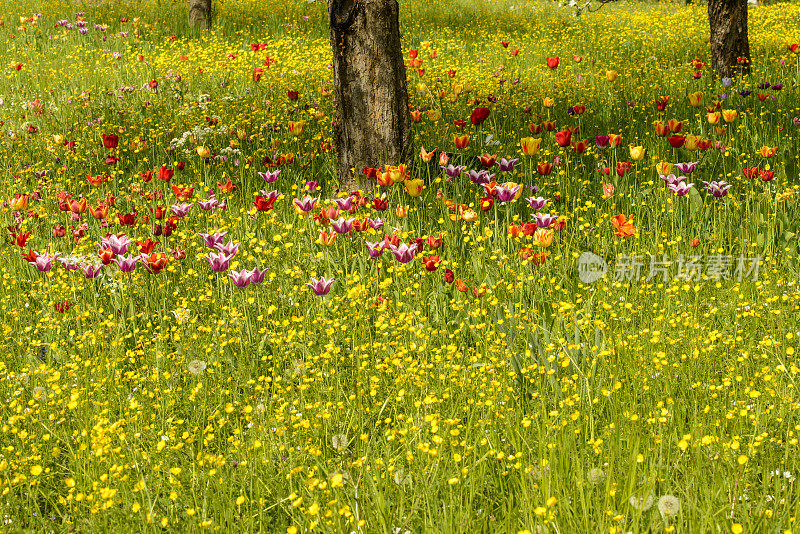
[728, 22]
[371, 127]
[199, 13]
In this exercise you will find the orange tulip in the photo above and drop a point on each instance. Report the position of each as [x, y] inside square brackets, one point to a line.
[624, 226]
[425, 155]
[18, 202]
[326, 238]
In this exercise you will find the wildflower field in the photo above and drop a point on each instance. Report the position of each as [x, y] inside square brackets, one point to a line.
[574, 309]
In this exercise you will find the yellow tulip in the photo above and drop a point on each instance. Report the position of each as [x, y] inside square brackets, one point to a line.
[664, 168]
[434, 115]
[713, 118]
[549, 102]
[543, 237]
[18, 203]
[729, 115]
[691, 142]
[203, 152]
[296, 127]
[530, 145]
[414, 187]
[469, 215]
[696, 99]
[611, 75]
[637, 153]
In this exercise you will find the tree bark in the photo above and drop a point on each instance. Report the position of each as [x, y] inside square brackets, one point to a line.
[371, 127]
[727, 20]
[199, 13]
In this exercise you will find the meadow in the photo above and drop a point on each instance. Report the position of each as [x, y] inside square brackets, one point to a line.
[199, 333]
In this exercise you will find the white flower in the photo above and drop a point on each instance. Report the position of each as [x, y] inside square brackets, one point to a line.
[182, 315]
[339, 442]
[669, 506]
[196, 366]
[595, 476]
[401, 478]
[641, 503]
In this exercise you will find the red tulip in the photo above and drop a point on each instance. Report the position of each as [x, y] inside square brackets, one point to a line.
[552, 62]
[579, 146]
[767, 176]
[165, 173]
[479, 115]
[155, 262]
[676, 141]
[751, 172]
[110, 141]
[544, 168]
[434, 242]
[183, 193]
[263, 203]
[488, 160]
[431, 263]
[146, 246]
[127, 219]
[563, 137]
[106, 256]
